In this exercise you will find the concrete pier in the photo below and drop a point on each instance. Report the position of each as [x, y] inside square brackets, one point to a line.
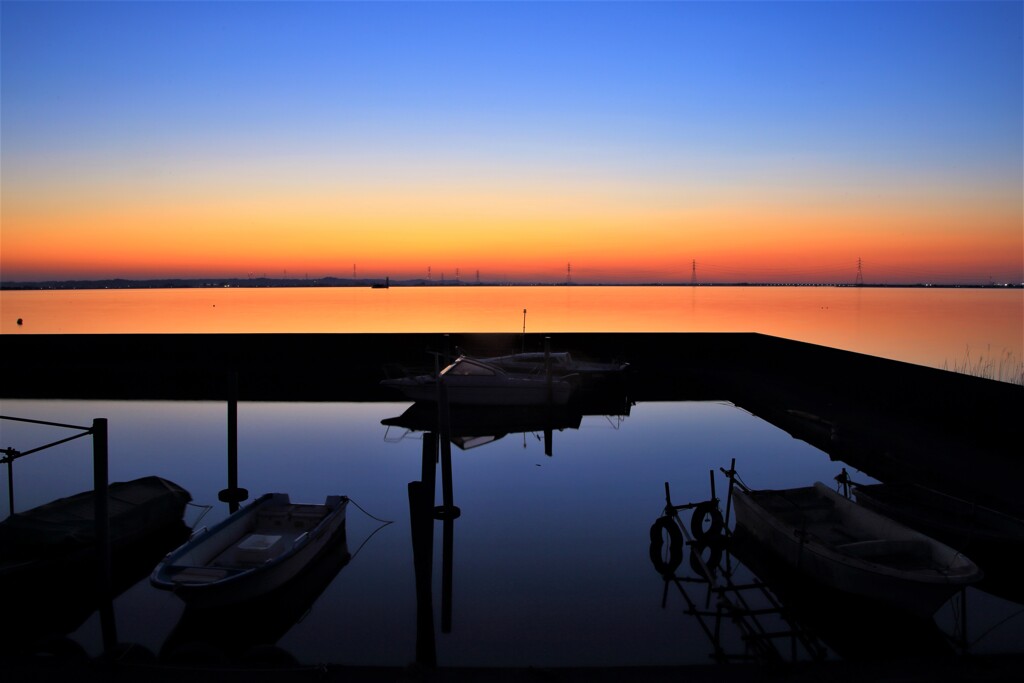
[890, 419]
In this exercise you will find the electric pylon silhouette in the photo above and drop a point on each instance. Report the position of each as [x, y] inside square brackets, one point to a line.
[693, 273]
[859, 282]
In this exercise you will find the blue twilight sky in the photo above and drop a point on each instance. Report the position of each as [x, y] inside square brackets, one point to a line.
[669, 103]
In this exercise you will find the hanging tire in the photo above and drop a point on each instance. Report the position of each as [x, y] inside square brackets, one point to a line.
[706, 513]
[711, 562]
[666, 566]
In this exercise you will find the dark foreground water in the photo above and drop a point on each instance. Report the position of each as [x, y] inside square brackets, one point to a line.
[550, 560]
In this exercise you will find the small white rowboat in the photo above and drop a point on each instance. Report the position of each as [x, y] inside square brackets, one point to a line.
[251, 552]
[838, 543]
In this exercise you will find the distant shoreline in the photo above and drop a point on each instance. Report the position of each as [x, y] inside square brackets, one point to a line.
[384, 283]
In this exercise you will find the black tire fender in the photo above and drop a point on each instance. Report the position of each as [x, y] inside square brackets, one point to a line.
[710, 511]
[662, 526]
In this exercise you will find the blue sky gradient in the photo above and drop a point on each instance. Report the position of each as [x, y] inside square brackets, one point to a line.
[668, 102]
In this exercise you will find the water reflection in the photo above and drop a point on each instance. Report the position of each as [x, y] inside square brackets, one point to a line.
[44, 606]
[472, 426]
[546, 564]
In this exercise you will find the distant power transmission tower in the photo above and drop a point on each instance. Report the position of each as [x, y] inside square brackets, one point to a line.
[478, 276]
[353, 271]
[859, 282]
[429, 276]
[568, 272]
[693, 272]
[456, 274]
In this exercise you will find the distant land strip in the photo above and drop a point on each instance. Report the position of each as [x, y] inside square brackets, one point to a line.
[265, 282]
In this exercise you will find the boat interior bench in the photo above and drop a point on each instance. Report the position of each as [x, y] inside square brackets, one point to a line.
[290, 517]
[274, 531]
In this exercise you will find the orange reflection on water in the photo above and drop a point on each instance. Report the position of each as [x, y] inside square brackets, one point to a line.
[929, 326]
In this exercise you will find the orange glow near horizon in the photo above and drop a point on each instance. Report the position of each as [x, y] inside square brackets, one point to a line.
[523, 234]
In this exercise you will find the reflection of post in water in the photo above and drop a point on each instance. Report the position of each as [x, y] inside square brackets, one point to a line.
[735, 601]
[422, 513]
[421, 504]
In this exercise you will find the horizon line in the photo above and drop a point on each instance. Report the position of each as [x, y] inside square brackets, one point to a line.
[290, 282]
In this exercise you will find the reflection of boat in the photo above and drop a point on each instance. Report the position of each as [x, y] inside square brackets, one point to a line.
[472, 382]
[843, 545]
[42, 605]
[469, 421]
[253, 551]
[241, 630]
[63, 531]
[562, 363]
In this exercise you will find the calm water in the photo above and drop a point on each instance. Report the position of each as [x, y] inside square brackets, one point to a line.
[975, 329]
[550, 562]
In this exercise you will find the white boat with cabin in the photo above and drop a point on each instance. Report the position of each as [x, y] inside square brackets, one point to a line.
[561, 362]
[469, 381]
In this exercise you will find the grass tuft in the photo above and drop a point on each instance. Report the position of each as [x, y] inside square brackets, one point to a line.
[1003, 368]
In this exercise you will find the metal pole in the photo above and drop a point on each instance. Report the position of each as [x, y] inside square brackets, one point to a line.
[102, 521]
[524, 330]
[547, 366]
[428, 469]
[448, 542]
[421, 525]
[10, 485]
[233, 441]
[233, 495]
[447, 495]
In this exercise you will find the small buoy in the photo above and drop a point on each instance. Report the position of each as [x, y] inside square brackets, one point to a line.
[19, 321]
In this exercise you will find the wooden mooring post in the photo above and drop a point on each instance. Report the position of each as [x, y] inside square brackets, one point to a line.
[100, 474]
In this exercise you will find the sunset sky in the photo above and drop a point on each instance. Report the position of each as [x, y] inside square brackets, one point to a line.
[767, 141]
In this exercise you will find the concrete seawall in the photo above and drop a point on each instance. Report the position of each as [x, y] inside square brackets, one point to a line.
[890, 419]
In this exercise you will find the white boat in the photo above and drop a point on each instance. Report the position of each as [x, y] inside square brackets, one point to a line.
[562, 363]
[251, 552]
[469, 381]
[838, 543]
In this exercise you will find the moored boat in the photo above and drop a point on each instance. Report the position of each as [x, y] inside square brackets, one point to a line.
[961, 523]
[836, 542]
[469, 381]
[253, 551]
[64, 530]
[560, 362]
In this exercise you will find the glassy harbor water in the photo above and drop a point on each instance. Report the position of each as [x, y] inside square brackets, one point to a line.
[551, 560]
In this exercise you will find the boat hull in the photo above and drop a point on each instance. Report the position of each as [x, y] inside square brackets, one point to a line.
[63, 531]
[240, 558]
[875, 558]
[513, 392]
